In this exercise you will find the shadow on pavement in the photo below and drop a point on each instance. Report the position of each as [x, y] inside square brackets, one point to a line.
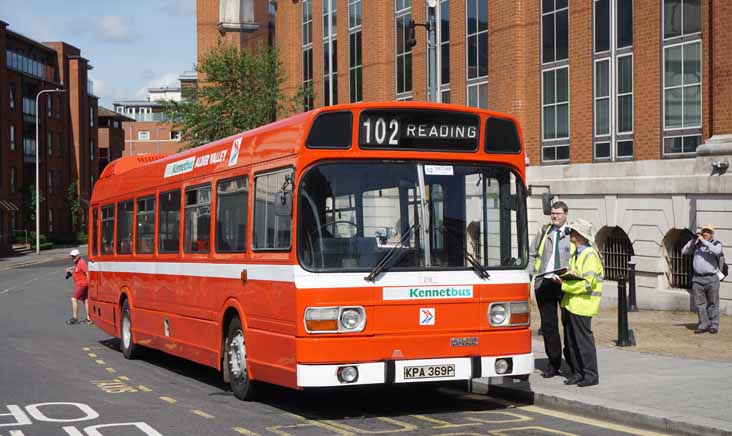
[336, 403]
[689, 326]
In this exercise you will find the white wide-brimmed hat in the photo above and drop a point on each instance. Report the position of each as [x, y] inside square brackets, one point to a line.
[584, 228]
[74, 253]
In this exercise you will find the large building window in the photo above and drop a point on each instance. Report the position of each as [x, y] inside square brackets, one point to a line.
[12, 137]
[403, 13]
[330, 53]
[555, 81]
[443, 36]
[307, 53]
[355, 64]
[11, 99]
[477, 53]
[613, 90]
[682, 77]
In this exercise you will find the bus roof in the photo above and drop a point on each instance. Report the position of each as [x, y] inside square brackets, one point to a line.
[275, 140]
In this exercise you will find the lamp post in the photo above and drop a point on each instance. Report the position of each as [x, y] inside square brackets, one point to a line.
[38, 158]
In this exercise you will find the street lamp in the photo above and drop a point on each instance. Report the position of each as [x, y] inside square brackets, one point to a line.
[38, 157]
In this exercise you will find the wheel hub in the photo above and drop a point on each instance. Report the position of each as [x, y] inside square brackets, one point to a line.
[237, 355]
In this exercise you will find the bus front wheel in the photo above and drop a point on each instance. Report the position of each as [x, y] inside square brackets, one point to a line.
[235, 359]
[129, 350]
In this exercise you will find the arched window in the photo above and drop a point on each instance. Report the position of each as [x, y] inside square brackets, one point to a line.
[616, 250]
[679, 266]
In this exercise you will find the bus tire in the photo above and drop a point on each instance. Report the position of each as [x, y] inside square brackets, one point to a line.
[235, 362]
[129, 349]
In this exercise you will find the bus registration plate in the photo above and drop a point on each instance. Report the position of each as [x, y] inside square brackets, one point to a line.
[429, 371]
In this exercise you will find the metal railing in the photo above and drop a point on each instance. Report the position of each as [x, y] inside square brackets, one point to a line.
[679, 265]
[616, 253]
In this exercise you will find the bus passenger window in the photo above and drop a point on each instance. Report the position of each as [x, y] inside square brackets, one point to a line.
[198, 220]
[144, 240]
[124, 227]
[108, 229]
[169, 222]
[232, 197]
[271, 231]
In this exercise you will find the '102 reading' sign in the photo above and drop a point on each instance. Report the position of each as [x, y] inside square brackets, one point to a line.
[411, 129]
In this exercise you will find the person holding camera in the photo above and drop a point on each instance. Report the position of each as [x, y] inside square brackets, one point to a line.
[80, 274]
[550, 251]
[707, 265]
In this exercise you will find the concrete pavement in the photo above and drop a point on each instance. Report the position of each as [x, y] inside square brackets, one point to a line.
[30, 257]
[671, 394]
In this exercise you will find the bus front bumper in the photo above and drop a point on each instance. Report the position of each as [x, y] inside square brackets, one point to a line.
[412, 371]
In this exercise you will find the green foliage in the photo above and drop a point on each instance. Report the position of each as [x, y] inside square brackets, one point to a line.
[31, 211]
[72, 198]
[44, 246]
[82, 238]
[237, 91]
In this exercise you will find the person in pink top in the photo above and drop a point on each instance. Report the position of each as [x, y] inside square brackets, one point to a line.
[80, 273]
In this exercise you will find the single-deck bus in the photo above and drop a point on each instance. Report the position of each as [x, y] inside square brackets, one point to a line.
[368, 243]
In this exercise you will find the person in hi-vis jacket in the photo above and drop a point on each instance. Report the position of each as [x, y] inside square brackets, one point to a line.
[582, 288]
[549, 252]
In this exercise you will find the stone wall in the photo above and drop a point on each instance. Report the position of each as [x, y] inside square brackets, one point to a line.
[651, 201]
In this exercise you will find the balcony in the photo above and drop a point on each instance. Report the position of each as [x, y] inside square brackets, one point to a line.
[237, 16]
[153, 117]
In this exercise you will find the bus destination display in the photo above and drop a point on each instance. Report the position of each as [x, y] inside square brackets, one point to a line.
[418, 130]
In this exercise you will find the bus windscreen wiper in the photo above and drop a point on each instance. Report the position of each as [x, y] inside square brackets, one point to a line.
[474, 264]
[388, 258]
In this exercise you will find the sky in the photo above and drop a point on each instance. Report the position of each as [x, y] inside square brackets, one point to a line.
[133, 45]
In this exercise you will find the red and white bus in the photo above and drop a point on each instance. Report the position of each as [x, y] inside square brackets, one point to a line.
[368, 243]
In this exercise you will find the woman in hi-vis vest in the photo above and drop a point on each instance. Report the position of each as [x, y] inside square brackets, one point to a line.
[582, 288]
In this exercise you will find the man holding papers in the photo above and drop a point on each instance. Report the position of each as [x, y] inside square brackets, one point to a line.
[582, 288]
[549, 253]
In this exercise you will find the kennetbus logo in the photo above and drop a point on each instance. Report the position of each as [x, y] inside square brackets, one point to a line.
[440, 293]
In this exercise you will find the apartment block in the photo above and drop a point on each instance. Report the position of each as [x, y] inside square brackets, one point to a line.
[44, 83]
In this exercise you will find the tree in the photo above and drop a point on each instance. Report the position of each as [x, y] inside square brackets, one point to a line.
[30, 195]
[237, 91]
[72, 198]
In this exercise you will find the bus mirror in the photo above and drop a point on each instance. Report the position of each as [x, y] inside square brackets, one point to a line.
[546, 202]
[283, 203]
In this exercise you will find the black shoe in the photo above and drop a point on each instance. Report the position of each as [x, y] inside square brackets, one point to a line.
[584, 383]
[573, 380]
[697, 331]
[72, 321]
[713, 331]
[549, 373]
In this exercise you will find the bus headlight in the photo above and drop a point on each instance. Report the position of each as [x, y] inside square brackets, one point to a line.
[497, 313]
[351, 318]
[339, 319]
[509, 313]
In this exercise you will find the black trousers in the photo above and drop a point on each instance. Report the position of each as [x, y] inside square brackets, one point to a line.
[548, 297]
[581, 344]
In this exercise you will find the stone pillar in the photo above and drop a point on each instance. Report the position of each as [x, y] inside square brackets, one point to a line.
[720, 70]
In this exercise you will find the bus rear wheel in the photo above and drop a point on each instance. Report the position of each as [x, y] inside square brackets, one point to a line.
[235, 361]
[129, 350]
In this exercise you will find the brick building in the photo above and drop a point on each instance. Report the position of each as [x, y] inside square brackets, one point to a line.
[147, 130]
[67, 142]
[111, 136]
[625, 105]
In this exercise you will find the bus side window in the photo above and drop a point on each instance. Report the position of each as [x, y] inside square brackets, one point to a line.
[145, 234]
[107, 229]
[169, 222]
[124, 227]
[271, 231]
[198, 220]
[232, 201]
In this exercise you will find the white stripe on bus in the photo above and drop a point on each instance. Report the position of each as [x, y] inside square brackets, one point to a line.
[308, 280]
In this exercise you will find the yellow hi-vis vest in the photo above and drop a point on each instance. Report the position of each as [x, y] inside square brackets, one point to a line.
[582, 297]
[540, 251]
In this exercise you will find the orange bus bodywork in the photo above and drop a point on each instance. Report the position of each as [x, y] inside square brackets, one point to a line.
[181, 303]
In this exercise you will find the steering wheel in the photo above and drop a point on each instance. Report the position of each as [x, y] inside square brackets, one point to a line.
[334, 223]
